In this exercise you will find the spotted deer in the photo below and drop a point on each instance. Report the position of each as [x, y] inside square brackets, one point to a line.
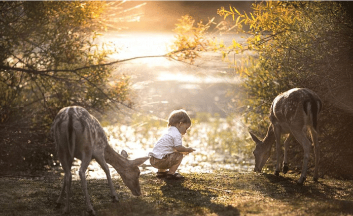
[294, 112]
[79, 134]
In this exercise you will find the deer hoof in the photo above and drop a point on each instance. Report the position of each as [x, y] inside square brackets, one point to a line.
[91, 212]
[276, 173]
[115, 199]
[301, 181]
[285, 168]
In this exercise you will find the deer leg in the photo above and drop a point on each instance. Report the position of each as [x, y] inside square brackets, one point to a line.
[277, 131]
[85, 162]
[66, 165]
[306, 147]
[306, 144]
[101, 161]
[285, 162]
[314, 136]
[68, 179]
[59, 200]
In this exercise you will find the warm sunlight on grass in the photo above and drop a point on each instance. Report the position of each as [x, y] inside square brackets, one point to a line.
[219, 193]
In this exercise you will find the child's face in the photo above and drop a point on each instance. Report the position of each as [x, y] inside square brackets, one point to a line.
[183, 127]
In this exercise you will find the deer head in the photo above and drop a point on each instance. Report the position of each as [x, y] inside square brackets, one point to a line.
[127, 169]
[262, 152]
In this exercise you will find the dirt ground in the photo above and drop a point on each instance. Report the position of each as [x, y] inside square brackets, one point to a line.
[221, 193]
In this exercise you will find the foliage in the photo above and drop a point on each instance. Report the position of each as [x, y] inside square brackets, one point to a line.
[190, 39]
[299, 44]
[47, 53]
[24, 152]
[288, 40]
[51, 57]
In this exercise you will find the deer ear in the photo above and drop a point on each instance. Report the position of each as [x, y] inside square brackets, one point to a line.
[254, 138]
[139, 161]
[124, 153]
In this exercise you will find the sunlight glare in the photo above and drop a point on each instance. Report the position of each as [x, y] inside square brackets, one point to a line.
[190, 78]
[139, 44]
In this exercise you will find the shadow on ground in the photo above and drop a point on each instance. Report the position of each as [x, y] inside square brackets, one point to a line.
[329, 195]
[197, 199]
[222, 193]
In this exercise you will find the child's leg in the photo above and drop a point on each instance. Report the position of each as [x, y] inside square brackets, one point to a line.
[158, 163]
[171, 161]
[174, 167]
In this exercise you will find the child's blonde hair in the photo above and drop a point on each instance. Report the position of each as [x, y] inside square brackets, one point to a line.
[178, 116]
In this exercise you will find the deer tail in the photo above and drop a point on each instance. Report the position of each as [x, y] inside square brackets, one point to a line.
[314, 106]
[71, 138]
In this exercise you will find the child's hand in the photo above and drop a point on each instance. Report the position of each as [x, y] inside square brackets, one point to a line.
[183, 149]
[191, 150]
[187, 151]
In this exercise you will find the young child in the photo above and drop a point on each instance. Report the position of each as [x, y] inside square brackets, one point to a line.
[168, 152]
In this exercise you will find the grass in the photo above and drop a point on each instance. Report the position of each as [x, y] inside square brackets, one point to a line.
[211, 193]
[220, 193]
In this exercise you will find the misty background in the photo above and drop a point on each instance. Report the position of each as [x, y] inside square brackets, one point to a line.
[162, 85]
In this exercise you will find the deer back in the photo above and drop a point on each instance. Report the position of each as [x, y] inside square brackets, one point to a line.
[76, 131]
[297, 107]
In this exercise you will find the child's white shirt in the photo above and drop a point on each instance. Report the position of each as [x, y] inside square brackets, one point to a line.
[164, 146]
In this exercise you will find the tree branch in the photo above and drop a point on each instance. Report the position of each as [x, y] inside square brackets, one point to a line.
[44, 72]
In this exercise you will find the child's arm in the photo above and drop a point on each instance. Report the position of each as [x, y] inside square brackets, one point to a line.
[183, 149]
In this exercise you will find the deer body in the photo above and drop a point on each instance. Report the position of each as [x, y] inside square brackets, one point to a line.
[293, 112]
[79, 134]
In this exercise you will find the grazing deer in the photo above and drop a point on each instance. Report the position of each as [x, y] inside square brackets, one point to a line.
[79, 134]
[295, 112]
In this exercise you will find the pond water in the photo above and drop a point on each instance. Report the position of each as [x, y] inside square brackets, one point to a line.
[161, 85]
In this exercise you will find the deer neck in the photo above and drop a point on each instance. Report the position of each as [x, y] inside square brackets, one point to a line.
[115, 159]
[269, 138]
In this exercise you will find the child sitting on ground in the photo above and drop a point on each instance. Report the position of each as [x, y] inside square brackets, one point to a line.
[168, 152]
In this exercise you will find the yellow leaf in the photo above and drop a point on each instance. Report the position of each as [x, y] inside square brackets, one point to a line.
[236, 22]
[252, 16]
[246, 16]
[236, 11]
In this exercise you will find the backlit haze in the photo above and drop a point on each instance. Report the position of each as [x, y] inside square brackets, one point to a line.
[161, 85]
[197, 88]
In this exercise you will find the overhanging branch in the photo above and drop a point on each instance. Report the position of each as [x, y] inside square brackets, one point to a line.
[45, 72]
